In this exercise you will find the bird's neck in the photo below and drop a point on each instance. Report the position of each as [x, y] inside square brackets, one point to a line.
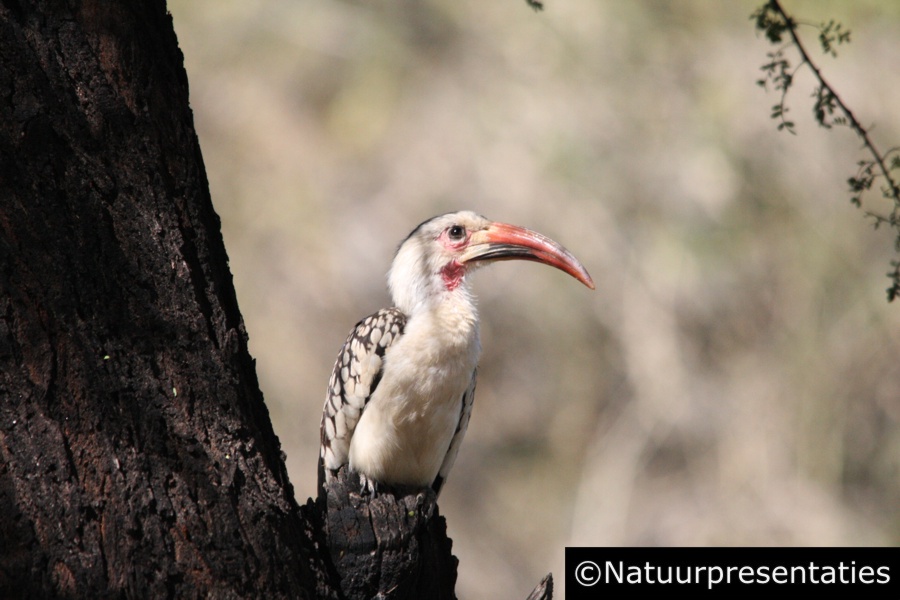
[450, 315]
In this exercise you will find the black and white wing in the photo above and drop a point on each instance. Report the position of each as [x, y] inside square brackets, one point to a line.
[465, 412]
[356, 374]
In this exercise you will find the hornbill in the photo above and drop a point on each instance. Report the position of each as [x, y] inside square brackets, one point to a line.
[401, 392]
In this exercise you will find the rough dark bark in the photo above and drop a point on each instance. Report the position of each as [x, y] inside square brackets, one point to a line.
[137, 458]
[392, 545]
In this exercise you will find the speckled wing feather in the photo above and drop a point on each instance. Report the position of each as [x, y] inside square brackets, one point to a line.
[356, 374]
[465, 412]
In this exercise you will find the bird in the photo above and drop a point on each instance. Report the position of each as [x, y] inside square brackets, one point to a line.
[400, 394]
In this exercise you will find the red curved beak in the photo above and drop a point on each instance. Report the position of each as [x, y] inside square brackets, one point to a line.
[501, 241]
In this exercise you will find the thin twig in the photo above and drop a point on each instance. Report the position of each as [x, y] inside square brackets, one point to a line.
[772, 19]
[851, 118]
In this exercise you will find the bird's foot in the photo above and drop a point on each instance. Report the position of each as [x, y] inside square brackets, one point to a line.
[367, 486]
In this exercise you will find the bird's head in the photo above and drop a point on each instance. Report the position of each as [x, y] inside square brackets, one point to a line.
[436, 257]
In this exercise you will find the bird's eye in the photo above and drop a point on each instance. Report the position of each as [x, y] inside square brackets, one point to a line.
[456, 232]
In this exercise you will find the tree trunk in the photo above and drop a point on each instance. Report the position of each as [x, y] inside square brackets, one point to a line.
[138, 457]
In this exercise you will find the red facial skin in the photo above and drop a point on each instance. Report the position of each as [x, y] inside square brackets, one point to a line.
[453, 272]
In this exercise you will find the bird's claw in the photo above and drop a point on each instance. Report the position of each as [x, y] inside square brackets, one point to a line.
[367, 486]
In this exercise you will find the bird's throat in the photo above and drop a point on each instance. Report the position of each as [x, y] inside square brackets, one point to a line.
[452, 274]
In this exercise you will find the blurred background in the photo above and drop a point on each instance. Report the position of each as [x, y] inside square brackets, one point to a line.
[734, 380]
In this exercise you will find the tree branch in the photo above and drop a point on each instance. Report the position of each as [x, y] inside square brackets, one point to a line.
[775, 22]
